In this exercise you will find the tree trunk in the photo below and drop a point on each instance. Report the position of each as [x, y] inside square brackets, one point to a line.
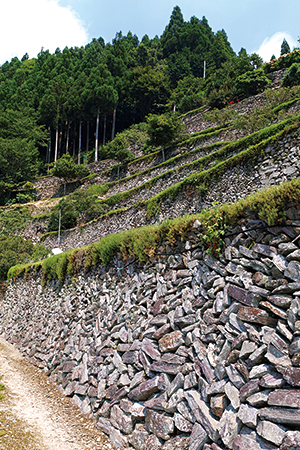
[87, 135]
[79, 148]
[74, 141]
[163, 154]
[48, 158]
[104, 130]
[68, 137]
[56, 143]
[97, 138]
[114, 124]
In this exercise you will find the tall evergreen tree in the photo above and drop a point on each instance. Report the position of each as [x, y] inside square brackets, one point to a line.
[285, 48]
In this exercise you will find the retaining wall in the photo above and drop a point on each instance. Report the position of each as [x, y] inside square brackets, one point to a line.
[188, 352]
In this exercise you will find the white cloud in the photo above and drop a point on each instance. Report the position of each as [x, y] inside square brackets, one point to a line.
[28, 25]
[272, 45]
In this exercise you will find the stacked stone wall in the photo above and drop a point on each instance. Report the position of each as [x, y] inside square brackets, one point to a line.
[188, 352]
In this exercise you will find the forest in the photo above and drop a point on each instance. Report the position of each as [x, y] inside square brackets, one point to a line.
[77, 99]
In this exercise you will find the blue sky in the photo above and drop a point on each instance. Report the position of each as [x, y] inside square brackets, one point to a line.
[257, 25]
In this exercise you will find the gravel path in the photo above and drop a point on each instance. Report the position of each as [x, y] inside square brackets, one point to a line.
[35, 415]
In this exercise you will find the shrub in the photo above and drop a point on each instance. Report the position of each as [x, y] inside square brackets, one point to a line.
[251, 83]
[292, 76]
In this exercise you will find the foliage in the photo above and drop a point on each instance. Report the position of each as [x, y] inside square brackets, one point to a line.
[251, 83]
[285, 48]
[14, 219]
[163, 130]
[292, 76]
[16, 250]
[118, 149]
[66, 168]
[142, 243]
[221, 117]
[283, 61]
[79, 207]
[213, 230]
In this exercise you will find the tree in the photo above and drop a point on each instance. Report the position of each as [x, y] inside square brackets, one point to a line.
[251, 83]
[285, 48]
[66, 168]
[163, 130]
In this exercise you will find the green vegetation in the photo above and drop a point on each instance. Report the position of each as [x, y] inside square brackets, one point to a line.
[142, 243]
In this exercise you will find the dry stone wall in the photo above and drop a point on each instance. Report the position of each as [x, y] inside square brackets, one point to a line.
[188, 352]
[281, 162]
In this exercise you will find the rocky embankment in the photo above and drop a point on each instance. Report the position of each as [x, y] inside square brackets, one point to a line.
[188, 352]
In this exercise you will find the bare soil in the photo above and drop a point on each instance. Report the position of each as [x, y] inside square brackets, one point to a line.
[34, 415]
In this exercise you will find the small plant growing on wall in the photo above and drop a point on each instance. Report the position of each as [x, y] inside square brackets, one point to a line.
[213, 230]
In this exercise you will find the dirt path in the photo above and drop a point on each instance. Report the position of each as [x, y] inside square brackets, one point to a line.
[35, 415]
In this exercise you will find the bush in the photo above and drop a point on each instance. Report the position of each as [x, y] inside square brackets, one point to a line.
[16, 250]
[251, 83]
[292, 76]
[80, 206]
[66, 168]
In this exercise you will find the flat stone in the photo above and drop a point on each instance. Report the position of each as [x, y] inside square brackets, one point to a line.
[153, 443]
[202, 413]
[120, 420]
[291, 441]
[272, 380]
[282, 301]
[177, 397]
[171, 341]
[146, 389]
[184, 409]
[158, 402]
[150, 349]
[259, 371]
[176, 443]
[248, 347]
[259, 399]
[234, 376]
[233, 395]
[228, 427]
[139, 437]
[274, 309]
[242, 295]
[118, 439]
[158, 424]
[248, 415]
[293, 271]
[218, 403]
[280, 415]
[250, 388]
[182, 424]
[217, 387]
[255, 315]
[285, 398]
[161, 367]
[280, 262]
[198, 437]
[292, 376]
[249, 442]
[265, 250]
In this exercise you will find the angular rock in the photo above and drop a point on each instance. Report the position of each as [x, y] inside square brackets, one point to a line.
[233, 395]
[170, 342]
[198, 437]
[248, 415]
[146, 389]
[139, 437]
[218, 403]
[182, 424]
[176, 443]
[284, 397]
[272, 380]
[202, 413]
[228, 427]
[158, 424]
[292, 376]
[271, 432]
[291, 441]
[117, 438]
[242, 295]
[281, 415]
[120, 420]
[256, 315]
[259, 399]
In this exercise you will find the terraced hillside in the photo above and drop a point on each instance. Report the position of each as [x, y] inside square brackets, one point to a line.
[225, 156]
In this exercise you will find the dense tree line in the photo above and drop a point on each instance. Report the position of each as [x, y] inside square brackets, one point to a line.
[82, 97]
